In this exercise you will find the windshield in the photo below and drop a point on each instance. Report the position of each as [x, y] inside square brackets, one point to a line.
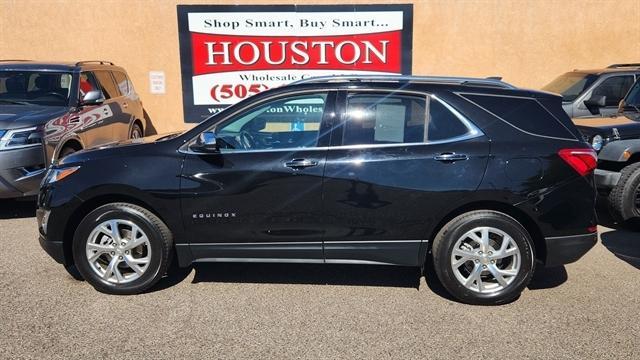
[34, 87]
[570, 85]
[633, 97]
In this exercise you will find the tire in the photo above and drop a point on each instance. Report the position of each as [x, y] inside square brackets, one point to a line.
[66, 151]
[72, 270]
[136, 131]
[112, 271]
[487, 291]
[622, 198]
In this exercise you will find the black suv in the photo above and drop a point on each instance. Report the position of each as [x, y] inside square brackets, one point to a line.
[616, 138]
[594, 92]
[50, 110]
[483, 178]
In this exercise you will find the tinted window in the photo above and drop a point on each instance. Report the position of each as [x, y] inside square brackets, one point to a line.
[107, 85]
[384, 119]
[42, 88]
[122, 82]
[523, 113]
[614, 88]
[443, 124]
[293, 122]
[87, 83]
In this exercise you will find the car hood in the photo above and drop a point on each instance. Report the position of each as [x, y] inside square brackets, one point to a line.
[115, 148]
[20, 116]
[626, 125]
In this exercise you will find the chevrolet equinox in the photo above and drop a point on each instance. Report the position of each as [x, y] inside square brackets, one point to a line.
[485, 179]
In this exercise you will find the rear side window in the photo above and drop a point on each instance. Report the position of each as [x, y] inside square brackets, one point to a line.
[614, 89]
[107, 85]
[398, 118]
[525, 114]
[122, 81]
[443, 124]
[384, 119]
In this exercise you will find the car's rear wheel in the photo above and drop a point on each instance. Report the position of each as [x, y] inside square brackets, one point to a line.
[122, 248]
[484, 257]
[624, 198]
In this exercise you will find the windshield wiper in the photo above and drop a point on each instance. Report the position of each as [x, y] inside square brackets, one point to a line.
[14, 102]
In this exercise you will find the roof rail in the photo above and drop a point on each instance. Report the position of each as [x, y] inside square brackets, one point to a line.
[613, 66]
[491, 82]
[9, 60]
[101, 62]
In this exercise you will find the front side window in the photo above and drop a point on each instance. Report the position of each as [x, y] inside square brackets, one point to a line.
[35, 87]
[398, 119]
[292, 122]
[107, 85]
[614, 89]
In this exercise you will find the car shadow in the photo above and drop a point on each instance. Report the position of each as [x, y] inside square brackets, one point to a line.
[17, 209]
[312, 274]
[624, 244]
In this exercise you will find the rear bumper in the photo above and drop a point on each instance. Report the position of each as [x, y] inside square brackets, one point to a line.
[567, 249]
[606, 179]
[21, 171]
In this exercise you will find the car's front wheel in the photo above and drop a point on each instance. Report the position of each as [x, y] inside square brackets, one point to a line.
[483, 257]
[121, 248]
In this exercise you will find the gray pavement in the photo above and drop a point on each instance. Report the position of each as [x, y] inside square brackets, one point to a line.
[586, 310]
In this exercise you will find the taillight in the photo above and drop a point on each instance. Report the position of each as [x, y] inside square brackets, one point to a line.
[582, 161]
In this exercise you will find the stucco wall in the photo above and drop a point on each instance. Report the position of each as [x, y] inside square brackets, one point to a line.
[526, 42]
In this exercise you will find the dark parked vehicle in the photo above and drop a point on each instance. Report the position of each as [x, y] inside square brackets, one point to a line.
[50, 110]
[483, 178]
[594, 92]
[617, 140]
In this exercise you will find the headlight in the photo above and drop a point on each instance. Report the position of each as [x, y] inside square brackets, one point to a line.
[55, 175]
[18, 138]
[596, 142]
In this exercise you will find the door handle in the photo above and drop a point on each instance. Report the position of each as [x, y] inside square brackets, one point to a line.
[297, 164]
[450, 157]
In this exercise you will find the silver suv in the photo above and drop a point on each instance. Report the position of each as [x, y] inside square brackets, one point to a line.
[50, 110]
[594, 92]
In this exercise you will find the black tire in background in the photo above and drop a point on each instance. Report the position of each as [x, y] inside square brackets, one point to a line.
[136, 131]
[624, 198]
[66, 151]
[443, 246]
[160, 241]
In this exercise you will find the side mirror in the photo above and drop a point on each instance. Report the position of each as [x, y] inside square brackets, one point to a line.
[206, 143]
[93, 97]
[594, 103]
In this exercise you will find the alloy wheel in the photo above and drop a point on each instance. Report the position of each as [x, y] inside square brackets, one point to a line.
[485, 260]
[118, 251]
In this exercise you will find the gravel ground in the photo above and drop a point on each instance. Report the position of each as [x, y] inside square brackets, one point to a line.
[589, 309]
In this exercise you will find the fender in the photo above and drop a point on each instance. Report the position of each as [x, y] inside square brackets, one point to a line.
[62, 142]
[615, 150]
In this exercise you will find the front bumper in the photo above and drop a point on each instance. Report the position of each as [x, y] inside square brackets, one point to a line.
[606, 179]
[567, 249]
[21, 171]
[55, 249]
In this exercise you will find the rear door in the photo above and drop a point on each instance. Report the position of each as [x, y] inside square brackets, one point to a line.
[397, 160]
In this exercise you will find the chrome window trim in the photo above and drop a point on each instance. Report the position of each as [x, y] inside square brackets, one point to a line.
[461, 94]
[473, 130]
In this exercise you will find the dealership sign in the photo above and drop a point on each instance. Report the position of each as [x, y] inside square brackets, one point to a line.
[229, 53]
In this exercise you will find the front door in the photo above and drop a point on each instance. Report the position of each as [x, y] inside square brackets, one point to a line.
[259, 199]
[397, 161]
